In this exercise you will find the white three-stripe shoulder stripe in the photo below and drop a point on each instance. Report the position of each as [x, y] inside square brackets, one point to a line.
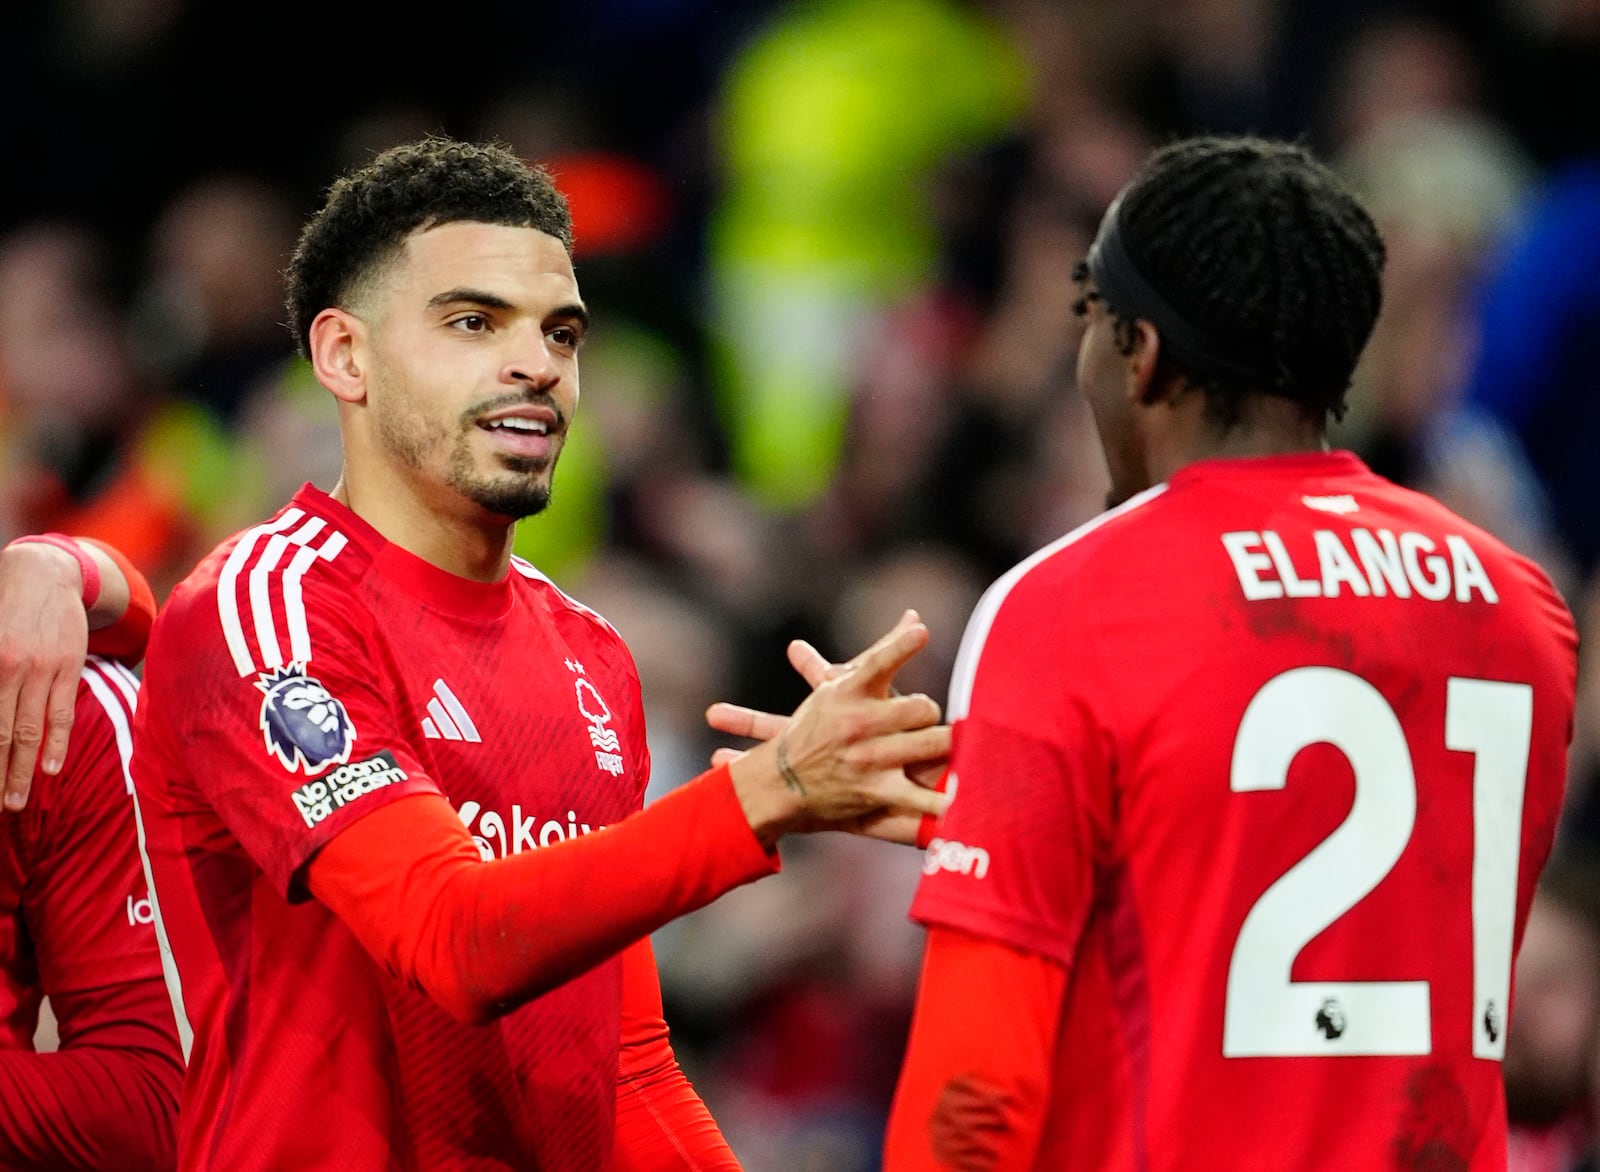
[259, 641]
[983, 616]
[117, 689]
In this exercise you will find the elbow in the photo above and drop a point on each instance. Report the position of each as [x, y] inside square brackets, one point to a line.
[471, 998]
[470, 1007]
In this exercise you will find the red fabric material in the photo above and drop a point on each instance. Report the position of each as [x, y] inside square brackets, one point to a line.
[975, 1085]
[1169, 725]
[928, 828]
[125, 639]
[662, 1125]
[306, 675]
[75, 925]
[108, 1098]
[481, 938]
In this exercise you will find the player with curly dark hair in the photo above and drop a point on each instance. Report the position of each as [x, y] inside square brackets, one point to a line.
[1257, 770]
[392, 778]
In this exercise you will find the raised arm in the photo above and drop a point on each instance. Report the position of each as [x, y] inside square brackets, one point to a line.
[60, 598]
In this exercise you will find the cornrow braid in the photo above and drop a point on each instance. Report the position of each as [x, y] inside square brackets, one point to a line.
[1269, 255]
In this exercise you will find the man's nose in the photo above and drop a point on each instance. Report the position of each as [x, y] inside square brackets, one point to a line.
[533, 364]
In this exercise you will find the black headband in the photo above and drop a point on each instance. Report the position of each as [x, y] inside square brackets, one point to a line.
[1129, 293]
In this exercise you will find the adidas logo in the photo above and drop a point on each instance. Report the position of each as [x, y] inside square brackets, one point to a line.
[447, 720]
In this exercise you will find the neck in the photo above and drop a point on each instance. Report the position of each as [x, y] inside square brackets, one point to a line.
[1269, 426]
[456, 536]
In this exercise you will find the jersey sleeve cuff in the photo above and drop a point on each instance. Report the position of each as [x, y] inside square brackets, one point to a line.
[711, 809]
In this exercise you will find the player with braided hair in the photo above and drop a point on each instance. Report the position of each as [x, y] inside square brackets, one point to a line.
[1255, 773]
[1273, 270]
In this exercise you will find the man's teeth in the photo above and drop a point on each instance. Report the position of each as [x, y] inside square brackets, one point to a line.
[532, 426]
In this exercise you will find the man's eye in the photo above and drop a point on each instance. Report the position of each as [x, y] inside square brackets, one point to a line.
[563, 336]
[472, 323]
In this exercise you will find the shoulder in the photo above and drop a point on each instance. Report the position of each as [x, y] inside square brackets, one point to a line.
[102, 730]
[262, 582]
[1030, 614]
[561, 606]
[1080, 559]
[598, 647]
[1489, 548]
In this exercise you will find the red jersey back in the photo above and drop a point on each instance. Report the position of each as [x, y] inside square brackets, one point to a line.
[73, 910]
[304, 675]
[1271, 757]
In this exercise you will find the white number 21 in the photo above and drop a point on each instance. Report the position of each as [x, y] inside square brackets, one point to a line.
[1270, 1014]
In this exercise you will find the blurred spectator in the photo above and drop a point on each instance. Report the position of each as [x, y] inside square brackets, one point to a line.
[829, 124]
[209, 316]
[1537, 320]
[1555, 1021]
[1445, 189]
[91, 444]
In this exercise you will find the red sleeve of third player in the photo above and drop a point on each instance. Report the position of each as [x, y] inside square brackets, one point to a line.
[282, 721]
[125, 639]
[109, 1096]
[1016, 854]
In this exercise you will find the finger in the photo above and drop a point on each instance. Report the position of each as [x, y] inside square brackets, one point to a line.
[814, 667]
[725, 756]
[928, 774]
[895, 750]
[889, 826]
[902, 794]
[10, 685]
[59, 710]
[27, 734]
[738, 721]
[901, 713]
[875, 668]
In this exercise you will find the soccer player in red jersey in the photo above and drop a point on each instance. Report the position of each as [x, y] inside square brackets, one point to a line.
[75, 919]
[1254, 774]
[391, 777]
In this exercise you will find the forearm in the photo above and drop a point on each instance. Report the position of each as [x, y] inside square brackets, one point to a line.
[120, 619]
[481, 938]
[108, 1099]
[87, 1108]
[974, 1089]
[663, 1126]
[662, 1123]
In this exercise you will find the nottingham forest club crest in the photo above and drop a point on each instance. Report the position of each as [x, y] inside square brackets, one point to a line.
[304, 726]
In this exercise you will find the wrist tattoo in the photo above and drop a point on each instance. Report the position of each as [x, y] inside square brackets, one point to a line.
[790, 777]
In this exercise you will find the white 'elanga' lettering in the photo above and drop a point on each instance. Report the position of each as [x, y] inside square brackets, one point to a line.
[1359, 562]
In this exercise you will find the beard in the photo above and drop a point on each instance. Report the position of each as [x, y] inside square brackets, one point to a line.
[514, 490]
[515, 496]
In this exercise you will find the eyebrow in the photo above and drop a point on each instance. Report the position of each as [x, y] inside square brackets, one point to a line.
[486, 300]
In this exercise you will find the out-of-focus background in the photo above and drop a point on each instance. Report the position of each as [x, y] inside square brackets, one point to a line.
[828, 248]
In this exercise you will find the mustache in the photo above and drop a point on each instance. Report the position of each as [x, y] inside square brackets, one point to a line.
[472, 414]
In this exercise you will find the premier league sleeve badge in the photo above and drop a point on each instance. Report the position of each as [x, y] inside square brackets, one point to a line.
[304, 726]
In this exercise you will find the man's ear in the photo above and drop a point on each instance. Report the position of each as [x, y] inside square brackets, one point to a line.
[338, 346]
[1144, 389]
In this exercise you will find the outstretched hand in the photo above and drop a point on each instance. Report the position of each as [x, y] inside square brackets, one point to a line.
[44, 636]
[882, 787]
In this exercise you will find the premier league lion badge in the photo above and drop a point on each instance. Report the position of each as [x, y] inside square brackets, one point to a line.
[304, 726]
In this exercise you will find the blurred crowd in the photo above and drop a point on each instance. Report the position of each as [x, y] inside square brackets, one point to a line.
[828, 248]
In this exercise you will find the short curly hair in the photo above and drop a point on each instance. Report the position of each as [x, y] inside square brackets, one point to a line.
[1267, 252]
[370, 211]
